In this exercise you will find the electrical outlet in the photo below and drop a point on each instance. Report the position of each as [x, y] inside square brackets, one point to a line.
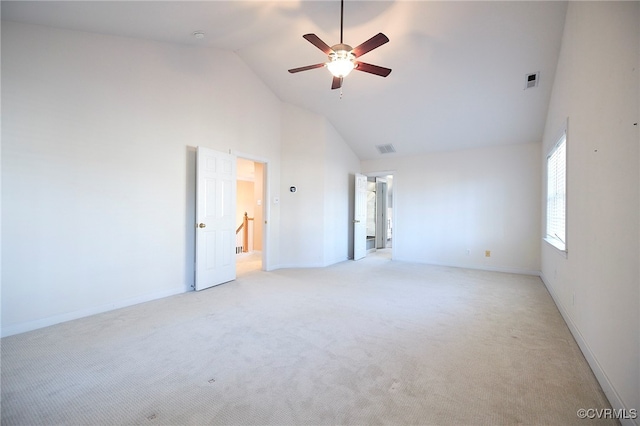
[487, 253]
[468, 252]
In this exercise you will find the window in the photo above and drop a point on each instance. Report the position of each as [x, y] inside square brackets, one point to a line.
[556, 234]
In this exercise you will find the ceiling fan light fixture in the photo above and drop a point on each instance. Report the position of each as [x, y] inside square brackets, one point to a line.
[341, 63]
[342, 57]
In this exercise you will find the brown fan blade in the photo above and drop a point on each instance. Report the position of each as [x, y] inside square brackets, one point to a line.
[336, 83]
[372, 69]
[308, 67]
[315, 40]
[374, 42]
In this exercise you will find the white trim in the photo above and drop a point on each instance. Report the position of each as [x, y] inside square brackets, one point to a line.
[301, 265]
[556, 244]
[556, 176]
[249, 157]
[394, 212]
[10, 330]
[266, 255]
[607, 387]
[506, 270]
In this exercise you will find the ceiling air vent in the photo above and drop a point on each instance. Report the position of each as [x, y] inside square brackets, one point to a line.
[385, 149]
[532, 80]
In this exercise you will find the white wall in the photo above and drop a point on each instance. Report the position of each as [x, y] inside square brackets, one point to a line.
[341, 164]
[98, 165]
[302, 227]
[315, 219]
[484, 199]
[597, 286]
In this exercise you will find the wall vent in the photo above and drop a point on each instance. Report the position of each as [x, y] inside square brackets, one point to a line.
[385, 149]
[532, 80]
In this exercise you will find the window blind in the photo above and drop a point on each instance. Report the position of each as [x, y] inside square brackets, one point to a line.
[557, 194]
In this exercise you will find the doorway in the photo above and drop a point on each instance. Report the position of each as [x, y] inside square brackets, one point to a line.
[215, 202]
[250, 216]
[379, 212]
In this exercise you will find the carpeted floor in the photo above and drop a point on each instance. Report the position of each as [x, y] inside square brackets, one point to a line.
[248, 262]
[368, 342]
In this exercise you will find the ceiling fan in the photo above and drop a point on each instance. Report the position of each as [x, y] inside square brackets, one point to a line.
[343, 58]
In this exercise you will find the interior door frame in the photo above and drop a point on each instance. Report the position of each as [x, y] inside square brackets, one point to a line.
[266, 206]
[381, 213]
[394, 213]
[359, 217]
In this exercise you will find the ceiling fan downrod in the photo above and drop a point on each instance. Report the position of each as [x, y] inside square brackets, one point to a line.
[341, 18]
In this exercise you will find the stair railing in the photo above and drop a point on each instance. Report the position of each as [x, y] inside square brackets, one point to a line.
[245, 236]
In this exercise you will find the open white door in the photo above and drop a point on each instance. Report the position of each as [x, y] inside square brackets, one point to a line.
[360, 218]
[215, 217]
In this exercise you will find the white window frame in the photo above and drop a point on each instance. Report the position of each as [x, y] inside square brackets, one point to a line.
[556, 214]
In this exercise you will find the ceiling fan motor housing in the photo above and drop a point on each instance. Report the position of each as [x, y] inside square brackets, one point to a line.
[342, 47]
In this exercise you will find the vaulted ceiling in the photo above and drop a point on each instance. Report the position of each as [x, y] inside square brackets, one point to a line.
[459, 68]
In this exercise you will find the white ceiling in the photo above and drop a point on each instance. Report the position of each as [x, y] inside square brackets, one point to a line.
[459, 68]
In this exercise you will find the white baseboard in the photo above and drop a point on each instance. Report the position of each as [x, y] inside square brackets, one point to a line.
[308, 265]
[10, 330]
[507, 270]
[336, 261]
[297, 266]
[518, 271]
[606, 385]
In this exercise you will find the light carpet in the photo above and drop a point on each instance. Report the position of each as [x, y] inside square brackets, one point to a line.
[362, 343]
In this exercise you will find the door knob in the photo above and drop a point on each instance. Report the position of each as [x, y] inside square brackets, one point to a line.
[202, 225]
[356, 221]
